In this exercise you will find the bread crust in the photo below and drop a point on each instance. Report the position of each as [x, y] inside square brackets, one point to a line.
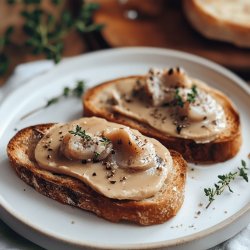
[216, 28]
[68, 190]
[219, 150]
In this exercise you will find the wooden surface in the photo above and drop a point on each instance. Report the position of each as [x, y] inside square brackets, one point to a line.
[10, 15]
[169, 29]
[161, 24]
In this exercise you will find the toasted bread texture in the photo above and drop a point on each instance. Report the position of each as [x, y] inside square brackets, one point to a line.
[224, 147]
[220, 20]
[157, 209]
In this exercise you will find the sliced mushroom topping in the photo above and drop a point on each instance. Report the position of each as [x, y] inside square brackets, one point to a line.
[130, 150]
[203, 106]
[161, 84]
[77, 148]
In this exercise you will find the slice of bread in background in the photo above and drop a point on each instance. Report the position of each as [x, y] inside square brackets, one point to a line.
[157, 209]
[223, 20]
[221, 149]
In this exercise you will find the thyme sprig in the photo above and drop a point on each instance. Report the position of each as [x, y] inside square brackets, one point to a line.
[191, 96]
[224, 182]
[96, 155]
[76, 91]
[105, 141]
[79, 132]
[178, 100]
[44, 33]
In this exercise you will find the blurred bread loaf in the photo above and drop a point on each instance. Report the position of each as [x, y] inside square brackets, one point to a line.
[224, 20]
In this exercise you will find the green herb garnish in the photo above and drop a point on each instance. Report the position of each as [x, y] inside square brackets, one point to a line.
[4, 41]
[178, 98]
[52, 101]
[79, 132]
[96, 155]
[191, 96]
[77, 91]
[105, 141]
[44, 33]
[224, 182]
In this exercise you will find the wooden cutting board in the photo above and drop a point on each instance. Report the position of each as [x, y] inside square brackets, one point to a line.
[168, 29]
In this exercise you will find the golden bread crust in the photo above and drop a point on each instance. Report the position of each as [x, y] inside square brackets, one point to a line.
[69, 190]
[223, 148]
[216, 28]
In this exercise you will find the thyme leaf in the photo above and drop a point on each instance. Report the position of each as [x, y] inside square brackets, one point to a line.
[96, 155]
[224, 182]
[191, 96]
[105, 141]
[79, 132]
[52, 101]
[79, 89]
[76, 91]
[179, 101]
[44, 33]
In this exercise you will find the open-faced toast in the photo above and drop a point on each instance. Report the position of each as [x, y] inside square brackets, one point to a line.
[224, 146]
[69, 190]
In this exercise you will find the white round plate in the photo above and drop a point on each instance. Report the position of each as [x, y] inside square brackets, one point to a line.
[56, 226]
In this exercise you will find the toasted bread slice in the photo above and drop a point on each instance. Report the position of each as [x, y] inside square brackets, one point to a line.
[221, 19]
[157, 209]
[224, 147]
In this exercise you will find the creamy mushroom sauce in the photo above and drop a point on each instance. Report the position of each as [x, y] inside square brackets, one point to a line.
[131, 166]
[169, 101]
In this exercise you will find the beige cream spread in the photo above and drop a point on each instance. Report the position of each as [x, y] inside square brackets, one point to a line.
[113, 159]
[169, 101]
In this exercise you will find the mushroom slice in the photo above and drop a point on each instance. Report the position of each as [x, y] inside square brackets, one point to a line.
[130, 150]
[77, 148]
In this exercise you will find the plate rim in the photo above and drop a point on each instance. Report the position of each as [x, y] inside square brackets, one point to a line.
[141, 50]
